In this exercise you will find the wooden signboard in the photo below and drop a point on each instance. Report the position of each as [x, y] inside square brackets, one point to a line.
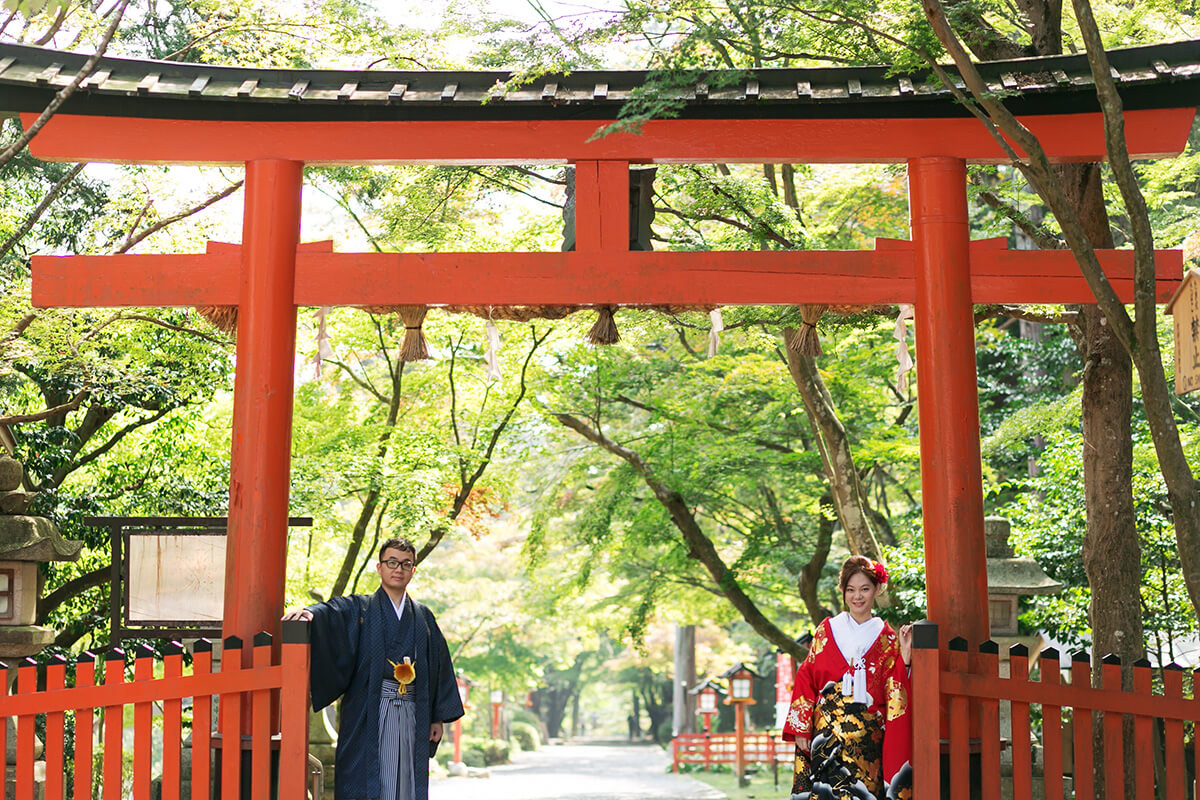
[1185, 308]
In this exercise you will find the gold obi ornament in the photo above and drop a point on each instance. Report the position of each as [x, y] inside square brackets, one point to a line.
[405, 673]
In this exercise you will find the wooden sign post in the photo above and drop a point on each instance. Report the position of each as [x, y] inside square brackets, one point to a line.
[1185, 308]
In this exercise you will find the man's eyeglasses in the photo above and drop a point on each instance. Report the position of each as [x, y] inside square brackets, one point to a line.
[392, 563]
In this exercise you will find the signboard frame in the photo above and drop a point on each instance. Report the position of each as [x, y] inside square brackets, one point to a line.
[120, 530]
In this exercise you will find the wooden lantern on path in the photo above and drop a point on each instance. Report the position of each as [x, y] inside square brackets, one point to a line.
[741, 694]
[708, 696]
[464, 694]
[497, 703]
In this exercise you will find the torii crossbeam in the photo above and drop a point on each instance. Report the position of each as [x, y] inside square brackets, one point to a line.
[276, 122]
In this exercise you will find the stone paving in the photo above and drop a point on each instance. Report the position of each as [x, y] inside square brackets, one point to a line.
[589, 771]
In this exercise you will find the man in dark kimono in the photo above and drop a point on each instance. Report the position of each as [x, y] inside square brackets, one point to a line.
[389, 728]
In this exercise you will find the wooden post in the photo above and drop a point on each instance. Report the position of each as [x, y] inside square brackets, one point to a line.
[293, 745]
[951, 476]
[739, 755]
[256, 549]
[926, 700]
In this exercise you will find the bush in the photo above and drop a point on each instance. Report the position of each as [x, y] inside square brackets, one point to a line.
[473, 755]
[495, 751]
[526, 736]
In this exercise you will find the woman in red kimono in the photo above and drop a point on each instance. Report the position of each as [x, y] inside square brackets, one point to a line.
[850, 716]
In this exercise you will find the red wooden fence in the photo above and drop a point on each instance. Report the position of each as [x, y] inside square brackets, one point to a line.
[721, 748]
[247, 686]
[970, 690]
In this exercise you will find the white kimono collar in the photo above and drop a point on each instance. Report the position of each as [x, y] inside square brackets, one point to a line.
[854, 640]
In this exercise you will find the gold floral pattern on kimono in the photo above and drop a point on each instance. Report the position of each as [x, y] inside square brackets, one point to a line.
[872, 741]
[897, 699]
[847, 748]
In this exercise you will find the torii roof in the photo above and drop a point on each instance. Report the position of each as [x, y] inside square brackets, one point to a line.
[1156, 76]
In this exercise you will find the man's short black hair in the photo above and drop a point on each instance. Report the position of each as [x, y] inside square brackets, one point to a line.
[398, 544]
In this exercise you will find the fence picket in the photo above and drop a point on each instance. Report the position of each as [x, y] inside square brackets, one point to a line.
[960, 725]
[56, 675]
[989, 725]
[26, 684]
[202, 725]
[231, 723]
[1195, 738]
[1175, 779]
[1081, 722]
[85, 675]
[260, 723]
[172, 736]
[143, 725]
[1052, 754]
[1114, 741]
[1143, 733]
[114, 729]
[4, 729]
[1022, 756]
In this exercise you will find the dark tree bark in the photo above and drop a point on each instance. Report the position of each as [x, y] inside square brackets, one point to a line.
[810, 575]
[1111, 551]
[834, 446]
[699, 546]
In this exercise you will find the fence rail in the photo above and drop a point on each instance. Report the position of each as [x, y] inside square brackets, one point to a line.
[968, 689]
[721, 748]
[255, 693]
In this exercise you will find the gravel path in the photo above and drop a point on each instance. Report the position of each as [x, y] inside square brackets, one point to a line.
[599, 771]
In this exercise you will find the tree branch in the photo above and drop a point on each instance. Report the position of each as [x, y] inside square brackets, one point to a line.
[65, 93]
[699, 546]
[133, 239]
[17, 419]
[36, 214]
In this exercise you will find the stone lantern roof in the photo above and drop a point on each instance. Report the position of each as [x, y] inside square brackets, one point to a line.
[1008, 574]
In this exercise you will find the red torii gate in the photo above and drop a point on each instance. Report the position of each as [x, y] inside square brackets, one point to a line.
[940, 271]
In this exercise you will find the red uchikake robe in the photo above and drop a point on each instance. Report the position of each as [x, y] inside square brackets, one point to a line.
[888, 684]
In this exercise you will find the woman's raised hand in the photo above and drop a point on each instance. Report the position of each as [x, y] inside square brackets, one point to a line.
[906, 643]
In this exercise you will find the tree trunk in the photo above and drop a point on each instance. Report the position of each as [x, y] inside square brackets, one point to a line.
[683, 712]
[848, 496]
[699, 546]
[810, 576]
[1111, 552]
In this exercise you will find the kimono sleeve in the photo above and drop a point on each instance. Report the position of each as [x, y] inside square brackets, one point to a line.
[798, 723]
[443, 689]
[334, 649]
[897, 737]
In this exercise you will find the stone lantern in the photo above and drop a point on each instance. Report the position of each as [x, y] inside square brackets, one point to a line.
[25, 543]
[1009, 579]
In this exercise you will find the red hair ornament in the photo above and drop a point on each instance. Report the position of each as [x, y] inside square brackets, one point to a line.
[881, 575]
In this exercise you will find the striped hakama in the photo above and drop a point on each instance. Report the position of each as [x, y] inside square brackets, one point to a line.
[397, 734]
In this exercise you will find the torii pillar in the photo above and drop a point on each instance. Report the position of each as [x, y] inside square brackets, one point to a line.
[948, 400]
[259, 480]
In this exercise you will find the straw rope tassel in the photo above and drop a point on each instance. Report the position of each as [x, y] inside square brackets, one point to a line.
[415, 348]
[605, 330]
[223, 318]
[806, 341]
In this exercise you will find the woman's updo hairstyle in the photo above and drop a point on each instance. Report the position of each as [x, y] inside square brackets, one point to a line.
[861, 565]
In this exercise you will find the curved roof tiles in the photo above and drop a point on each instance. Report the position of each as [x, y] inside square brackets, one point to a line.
[1157, 76]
